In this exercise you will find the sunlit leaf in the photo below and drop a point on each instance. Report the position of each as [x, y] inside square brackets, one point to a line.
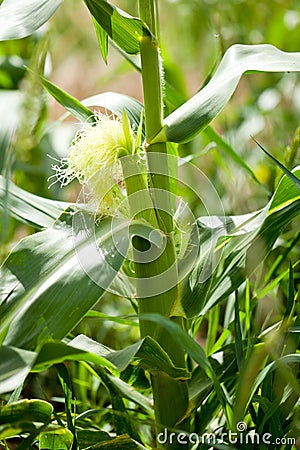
[194, 115]
[123, 442]
[124, 30]
[102, 39]
[56, 438]
[52, 278]
[55, 353]
[20, 19]
[45, 290]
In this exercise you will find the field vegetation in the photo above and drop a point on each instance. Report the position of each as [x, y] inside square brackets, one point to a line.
[149, 234]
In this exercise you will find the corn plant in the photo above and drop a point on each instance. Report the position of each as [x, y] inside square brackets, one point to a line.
[130, 234]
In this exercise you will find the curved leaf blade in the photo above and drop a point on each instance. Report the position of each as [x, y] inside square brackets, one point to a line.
[193, 349]
[122, 442]
[20, 19]
[124, 30]
[55, 353]
[229, 150]
[194, 115]
[102, 39]
[289, 174]
[247, 240]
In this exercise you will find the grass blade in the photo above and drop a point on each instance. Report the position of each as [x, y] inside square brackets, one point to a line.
[194, 115]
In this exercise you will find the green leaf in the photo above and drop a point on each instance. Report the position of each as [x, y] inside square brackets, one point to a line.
[246, 241]
[102, 39]
[116, 103]
[70, 103]
[287, 172]
[111, 101]
[194, 115]
[147, 352]
[56, 438]
[252, 381]
[87, 438]
[58, 352]
[15, 364]
[20, 19]
[124, 30]
[28, 208]
[228, 149]
[123, 320]
[66, 385]
[131, 394]
[23, 416]
[122, 422]
[35, 410]
[200, 386]
[47, 282]
[123, 442]
[53, 278]
[191, 348]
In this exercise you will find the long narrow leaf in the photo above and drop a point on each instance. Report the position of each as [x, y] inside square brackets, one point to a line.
[226, 147]
[102, 39]
[29, 208]
[70, 103]
[19, 19]
[287, 172]
[247, 240]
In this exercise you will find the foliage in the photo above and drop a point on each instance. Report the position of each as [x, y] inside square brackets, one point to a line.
[211, 285]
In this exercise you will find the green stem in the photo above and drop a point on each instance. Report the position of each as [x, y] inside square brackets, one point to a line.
[170, 396]
[139, 199]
